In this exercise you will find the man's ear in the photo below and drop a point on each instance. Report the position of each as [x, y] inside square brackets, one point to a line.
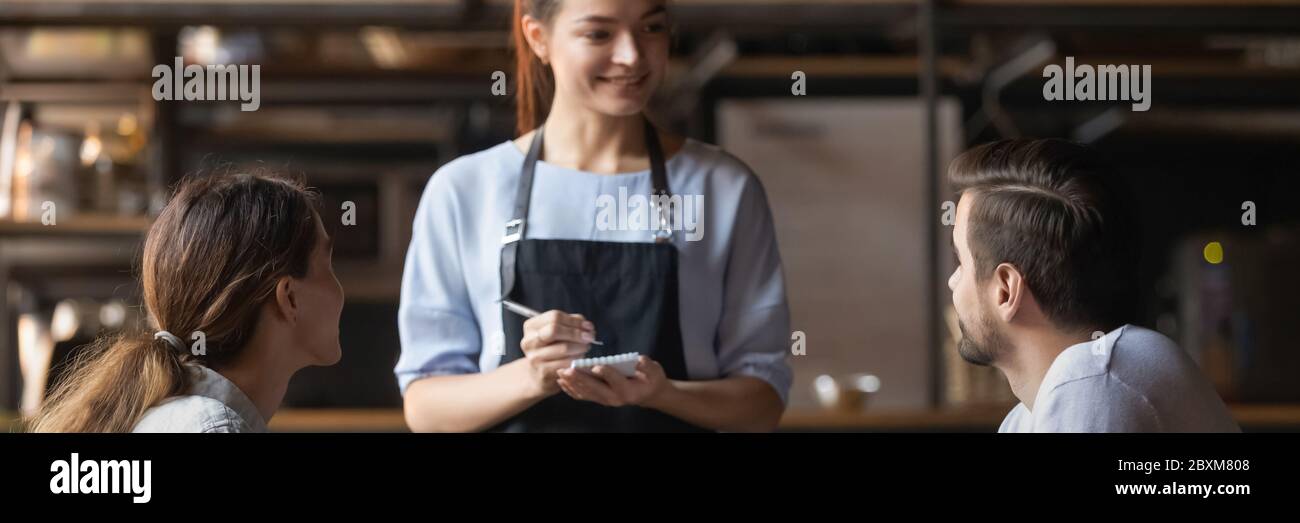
[1010, 291]
[535, 33]
[286, 299]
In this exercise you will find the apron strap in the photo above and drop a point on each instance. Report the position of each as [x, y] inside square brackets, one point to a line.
[659, 177]
[658, 170]
[515, 227]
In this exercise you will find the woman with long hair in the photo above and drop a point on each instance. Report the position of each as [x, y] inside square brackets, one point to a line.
[240, 294]
[538, 225]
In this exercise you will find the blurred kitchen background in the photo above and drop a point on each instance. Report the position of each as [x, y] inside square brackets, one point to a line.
[367, 98]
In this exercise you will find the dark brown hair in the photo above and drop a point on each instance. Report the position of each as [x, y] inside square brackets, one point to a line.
[535, 84]
[210, 261]
[1049, 208]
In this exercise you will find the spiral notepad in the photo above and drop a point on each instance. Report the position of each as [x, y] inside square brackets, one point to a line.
[624, 363]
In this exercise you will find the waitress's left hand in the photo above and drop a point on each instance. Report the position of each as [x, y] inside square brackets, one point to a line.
[607, 386]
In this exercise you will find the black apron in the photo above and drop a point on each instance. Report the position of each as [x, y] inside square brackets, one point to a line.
[628, 290]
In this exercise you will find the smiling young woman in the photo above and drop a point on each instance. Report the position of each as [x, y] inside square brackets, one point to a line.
[518, 222]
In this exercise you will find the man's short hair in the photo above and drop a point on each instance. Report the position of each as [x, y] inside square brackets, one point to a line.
[1046, 207]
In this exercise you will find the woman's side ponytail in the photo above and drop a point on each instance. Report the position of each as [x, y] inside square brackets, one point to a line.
[112, 383]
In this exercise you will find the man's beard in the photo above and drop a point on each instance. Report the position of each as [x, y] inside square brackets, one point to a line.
[982, 352]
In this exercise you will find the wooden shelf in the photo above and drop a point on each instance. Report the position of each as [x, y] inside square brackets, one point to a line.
[904, 420]
[1281, 416]
[392, 420]
[1256, 417]
[339, 420]
[697, 15]
[85, 91]
[844, 66]
[405, 13]
[1253, 417]
[81, 225]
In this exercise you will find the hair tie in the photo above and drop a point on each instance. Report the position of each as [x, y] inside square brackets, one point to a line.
[171, 339]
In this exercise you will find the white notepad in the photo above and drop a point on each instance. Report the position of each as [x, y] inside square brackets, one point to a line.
[625, 363]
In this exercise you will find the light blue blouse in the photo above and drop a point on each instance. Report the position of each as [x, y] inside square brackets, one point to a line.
[212, 404]
[734, 314]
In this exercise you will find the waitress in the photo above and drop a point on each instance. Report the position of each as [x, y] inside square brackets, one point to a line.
[520, 221]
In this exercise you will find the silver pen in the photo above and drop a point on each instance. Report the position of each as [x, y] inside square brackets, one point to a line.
[529, 313]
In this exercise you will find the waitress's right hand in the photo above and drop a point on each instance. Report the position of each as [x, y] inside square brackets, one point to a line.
[552, 340]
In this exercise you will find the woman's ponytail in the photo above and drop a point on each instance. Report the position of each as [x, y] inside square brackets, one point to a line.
[111, 383]
[534, 83]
